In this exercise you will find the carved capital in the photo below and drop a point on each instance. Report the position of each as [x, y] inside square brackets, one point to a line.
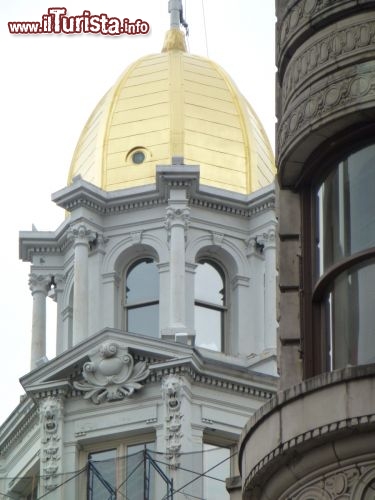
[81, 234]
[269, 239]
[177, 217]
[111, 374]
[39, 283]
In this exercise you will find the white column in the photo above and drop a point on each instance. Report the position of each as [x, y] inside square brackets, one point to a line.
[177, 220]
[270, 323]
[81, 236]
[39, 286]
[57, 297]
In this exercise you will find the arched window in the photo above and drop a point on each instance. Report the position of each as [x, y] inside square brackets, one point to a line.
[142, 298]
[343, 287]
[209, 305]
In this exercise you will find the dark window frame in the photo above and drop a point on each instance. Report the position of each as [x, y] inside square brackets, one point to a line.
[216, 307]
[128, 306]
[313, 286]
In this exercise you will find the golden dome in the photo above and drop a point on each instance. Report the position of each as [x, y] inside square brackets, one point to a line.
[174, 104]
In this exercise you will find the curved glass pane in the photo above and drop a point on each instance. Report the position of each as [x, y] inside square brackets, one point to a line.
[209, 284]
[142, 282]
[350, 317]
[346, 208]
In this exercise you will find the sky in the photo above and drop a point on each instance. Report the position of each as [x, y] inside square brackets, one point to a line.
[49, 86]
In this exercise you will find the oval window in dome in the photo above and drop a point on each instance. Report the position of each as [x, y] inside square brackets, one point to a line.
[138, 157]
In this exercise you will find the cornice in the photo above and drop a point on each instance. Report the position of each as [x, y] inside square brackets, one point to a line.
[24, 418]
[200, 374]
[83, 194]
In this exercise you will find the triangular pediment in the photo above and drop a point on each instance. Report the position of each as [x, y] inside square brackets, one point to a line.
[63, 374]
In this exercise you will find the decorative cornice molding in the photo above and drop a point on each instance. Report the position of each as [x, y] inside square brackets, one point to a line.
[187, 367]
[82, 194]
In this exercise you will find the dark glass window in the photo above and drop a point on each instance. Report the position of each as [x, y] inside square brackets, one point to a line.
[142, 298]
[350, 317]
[344, 288]
[209, 306]
[346, 208]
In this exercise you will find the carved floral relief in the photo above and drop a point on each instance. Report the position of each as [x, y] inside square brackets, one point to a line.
[111, 374]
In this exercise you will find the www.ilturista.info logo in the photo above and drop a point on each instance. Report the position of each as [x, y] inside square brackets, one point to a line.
[57, 22]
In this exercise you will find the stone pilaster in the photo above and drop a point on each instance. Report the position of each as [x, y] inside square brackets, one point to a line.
[81, 236]
[177, 220]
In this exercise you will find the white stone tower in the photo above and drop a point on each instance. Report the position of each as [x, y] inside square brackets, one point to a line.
[164, 276]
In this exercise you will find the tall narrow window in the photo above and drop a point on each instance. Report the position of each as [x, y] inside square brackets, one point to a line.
[142, 298]
[216, 468]
[209, 305]
[344, 288]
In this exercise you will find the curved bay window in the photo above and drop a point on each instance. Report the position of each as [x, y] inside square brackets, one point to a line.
[344, 290]
[142, 298]
[209, 306]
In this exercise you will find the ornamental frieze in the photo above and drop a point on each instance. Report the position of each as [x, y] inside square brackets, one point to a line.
[354, 40]
[344, 483]
[302, 13]
[351, 87]
[111, 374]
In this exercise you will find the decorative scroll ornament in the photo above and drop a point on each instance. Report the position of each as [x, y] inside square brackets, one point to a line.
[171, 390]
[51, 419]
[111, 374]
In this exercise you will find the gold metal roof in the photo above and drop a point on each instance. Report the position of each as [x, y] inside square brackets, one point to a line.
[174, 104]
